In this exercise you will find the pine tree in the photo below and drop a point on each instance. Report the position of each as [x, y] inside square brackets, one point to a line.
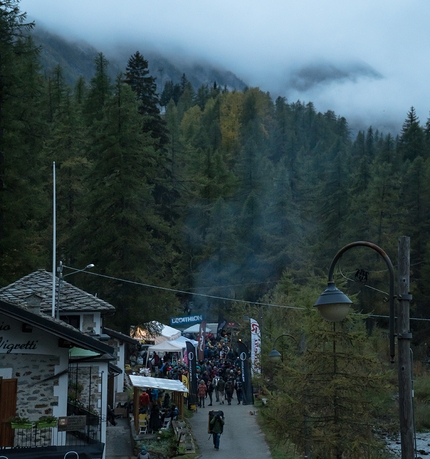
[328, 387]
[202, 96]
[186, 99]
[22, 203]
[99, 91]
[137, 76]
[332, 202]
[56, 88]
[411, 142]
[170, 92]
[66, 145]
[80, 91]
[415, 222]
[123, 235]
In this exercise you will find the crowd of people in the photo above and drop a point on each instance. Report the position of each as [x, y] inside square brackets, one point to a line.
[219, 382]
[157, 407]
[219, 370]
[222, 386]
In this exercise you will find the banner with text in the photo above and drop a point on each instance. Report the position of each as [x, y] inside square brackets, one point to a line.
[192, 376]
[201, 340]
[185, 320]
[255, 347]
[245, 374]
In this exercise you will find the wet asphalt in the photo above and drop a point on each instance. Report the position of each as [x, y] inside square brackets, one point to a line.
[242, 437]
[119, 444]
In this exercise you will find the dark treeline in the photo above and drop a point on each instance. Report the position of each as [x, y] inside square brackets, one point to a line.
[219, 194]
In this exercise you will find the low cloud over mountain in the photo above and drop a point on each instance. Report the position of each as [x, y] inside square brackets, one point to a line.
[313, 75]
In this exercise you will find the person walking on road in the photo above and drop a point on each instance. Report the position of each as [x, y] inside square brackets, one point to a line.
[210, 391]
[221, 389]
[238, 387]
[217, 427]
[215, 381]
[229, 389]
[202, 392]
[143, 454]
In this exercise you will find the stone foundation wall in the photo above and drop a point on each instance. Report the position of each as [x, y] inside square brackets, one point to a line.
[35, 396]
[89, 381]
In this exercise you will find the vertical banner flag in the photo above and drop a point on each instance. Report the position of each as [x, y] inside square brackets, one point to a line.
[192, 377]
[255, 347]
[221, 324]
[201, 340]
[245, 374]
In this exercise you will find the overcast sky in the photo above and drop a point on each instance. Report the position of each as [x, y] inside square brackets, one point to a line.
[367, 60]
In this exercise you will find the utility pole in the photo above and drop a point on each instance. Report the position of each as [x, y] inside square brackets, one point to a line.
[404, 337]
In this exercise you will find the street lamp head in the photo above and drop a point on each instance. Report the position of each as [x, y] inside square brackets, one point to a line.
[333, 304]
[75, 271]
[275, 356]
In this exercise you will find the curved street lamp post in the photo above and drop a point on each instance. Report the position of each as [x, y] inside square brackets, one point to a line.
[334, 305]
[274, 354]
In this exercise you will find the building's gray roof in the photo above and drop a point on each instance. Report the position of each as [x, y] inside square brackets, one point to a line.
[56, 327]
[120, 336]
[39, 283]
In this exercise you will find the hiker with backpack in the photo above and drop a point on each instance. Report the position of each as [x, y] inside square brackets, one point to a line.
[239, 389]
[229, 389]
[216, 426]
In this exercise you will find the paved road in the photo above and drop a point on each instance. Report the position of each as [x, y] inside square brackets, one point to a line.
[118, 440]
[242, 437]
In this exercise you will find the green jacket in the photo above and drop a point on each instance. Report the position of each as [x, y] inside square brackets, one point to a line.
[217, 424]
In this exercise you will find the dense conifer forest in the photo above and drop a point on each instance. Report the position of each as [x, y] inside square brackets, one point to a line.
[195, 190]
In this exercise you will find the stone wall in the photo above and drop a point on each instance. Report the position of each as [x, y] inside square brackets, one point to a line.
[35, 396]
[89, 382]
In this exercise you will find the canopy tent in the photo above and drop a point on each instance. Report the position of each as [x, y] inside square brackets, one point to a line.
[167, 333]
[195, 329]
[148, 382]
[177, 345]
[166, 346]
[182, 340]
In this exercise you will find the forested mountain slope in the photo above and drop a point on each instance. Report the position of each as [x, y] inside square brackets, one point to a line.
[223, 194]
[77, 59]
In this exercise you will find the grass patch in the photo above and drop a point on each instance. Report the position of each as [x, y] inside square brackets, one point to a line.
[422, 402]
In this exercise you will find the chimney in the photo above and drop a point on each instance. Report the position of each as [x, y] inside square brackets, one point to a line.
[33, 303]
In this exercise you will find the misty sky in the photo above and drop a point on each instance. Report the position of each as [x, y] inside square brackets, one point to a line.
[366, 60]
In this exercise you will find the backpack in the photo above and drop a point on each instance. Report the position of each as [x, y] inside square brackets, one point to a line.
[228, 385]
[238, 385]
[211, 414]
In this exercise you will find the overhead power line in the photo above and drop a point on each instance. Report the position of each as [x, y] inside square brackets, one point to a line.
[204, 295]
[215, 297]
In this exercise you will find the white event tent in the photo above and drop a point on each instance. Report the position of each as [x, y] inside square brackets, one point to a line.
[166, 346]
[139, 383]
[177, 345]
[167, 333]
[195, 329]
[182, 340]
